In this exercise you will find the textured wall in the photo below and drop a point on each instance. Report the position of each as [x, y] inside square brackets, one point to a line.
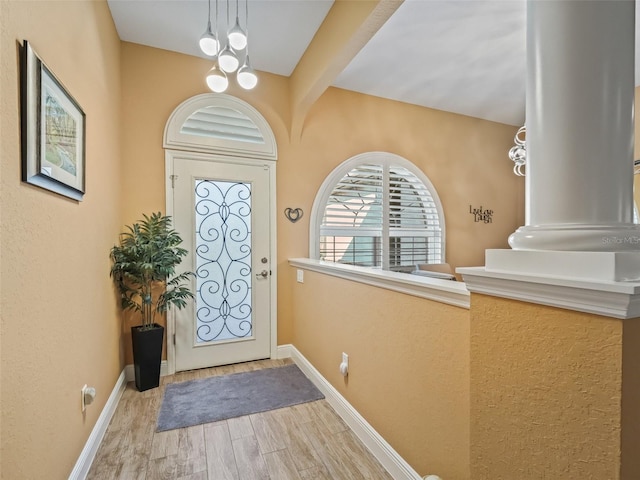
[465, 158]
[408, 365]
[149, 96]
[60, 328]
[545, 392]
[631, 400]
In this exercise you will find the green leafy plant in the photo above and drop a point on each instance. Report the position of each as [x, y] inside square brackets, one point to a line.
[144, 268]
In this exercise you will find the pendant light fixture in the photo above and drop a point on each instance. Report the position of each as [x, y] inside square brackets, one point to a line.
[237, 36]
[246, 76]
[208, 41]
[217, 80]
[228, 60]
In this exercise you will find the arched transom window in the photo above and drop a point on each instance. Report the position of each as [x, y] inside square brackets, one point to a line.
[219, 123]
[378, 210]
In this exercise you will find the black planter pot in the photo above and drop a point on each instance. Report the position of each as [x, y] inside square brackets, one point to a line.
[147, 355]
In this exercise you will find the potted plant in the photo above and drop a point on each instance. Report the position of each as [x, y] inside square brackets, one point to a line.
[143, 269]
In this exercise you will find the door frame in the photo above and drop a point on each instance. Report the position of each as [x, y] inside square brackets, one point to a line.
[170, 156]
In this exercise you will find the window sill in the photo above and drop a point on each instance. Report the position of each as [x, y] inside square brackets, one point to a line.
[443, 291]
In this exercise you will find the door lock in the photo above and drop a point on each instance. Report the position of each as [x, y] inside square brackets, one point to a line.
[262, 274]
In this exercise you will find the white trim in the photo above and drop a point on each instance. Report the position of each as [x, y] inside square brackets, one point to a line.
[174, 139]
[443, 291]
[171, 319]
[130, 374]
[397, 467]
[88, 454]
[170, 156]
[212, 149]
[607, 298]
[273, 278]
[284, 351]
[379, 158]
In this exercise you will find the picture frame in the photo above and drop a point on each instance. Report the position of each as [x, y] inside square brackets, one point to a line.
[53, 130]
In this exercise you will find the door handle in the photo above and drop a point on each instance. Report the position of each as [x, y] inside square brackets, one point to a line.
[262, 274]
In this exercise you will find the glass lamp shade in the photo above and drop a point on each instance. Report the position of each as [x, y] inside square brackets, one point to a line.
[246, 76]
[228, 60]
[237, 37]
[209, 43]
[217, 80]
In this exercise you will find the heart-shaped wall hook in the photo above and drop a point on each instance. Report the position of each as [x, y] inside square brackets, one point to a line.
[293, 214]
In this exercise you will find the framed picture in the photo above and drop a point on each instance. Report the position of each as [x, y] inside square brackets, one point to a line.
[53, 130]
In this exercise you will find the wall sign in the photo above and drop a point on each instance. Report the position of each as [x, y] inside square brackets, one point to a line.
[481, 215]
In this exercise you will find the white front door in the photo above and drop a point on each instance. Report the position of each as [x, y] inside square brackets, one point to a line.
[221, 211]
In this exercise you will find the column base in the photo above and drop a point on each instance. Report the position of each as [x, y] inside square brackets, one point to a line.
[578, 237]
[586, 266]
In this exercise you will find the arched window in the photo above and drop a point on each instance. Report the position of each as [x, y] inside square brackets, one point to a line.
[378, 210]
[219, 123]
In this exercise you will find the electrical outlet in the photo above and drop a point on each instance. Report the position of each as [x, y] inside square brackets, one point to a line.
[344, 366]
[82, 394]
[300, 276]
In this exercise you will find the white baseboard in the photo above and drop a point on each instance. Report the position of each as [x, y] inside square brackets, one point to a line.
[397, 467]
[88, 453]
[284, 351]
[130, 374]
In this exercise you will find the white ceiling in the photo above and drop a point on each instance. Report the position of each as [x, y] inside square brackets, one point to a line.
[462, 56]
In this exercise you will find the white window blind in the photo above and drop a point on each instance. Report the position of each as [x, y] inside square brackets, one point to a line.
[382, 216]
[222, 123]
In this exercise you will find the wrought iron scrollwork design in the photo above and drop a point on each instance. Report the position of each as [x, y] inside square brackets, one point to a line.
[223, 260]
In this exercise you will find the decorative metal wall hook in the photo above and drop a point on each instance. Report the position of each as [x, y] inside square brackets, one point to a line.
[518, 153]
[293, 214]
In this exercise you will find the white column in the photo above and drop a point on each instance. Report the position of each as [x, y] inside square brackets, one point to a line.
[580, 94]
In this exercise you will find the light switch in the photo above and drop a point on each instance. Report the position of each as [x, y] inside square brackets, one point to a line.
[300, 276]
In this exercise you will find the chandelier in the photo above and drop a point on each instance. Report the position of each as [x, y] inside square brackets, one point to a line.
[228, 49]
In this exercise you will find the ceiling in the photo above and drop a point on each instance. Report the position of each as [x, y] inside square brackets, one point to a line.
[462, 56]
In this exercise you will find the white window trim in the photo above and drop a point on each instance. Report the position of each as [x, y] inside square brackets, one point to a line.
[176, 140]
[381, 158]
[442, 291]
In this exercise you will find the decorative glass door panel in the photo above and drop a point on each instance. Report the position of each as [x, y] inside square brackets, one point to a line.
[223, 261]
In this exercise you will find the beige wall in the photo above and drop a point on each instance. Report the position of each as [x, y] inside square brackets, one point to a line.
[408, 365]
[465, 158]
[546, 392]
[154, 83]
[60, 328]
[413, 386]
[630, 459]
[409, 376]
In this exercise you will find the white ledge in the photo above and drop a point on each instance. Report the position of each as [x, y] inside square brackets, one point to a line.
[443, 291]
[606, 298]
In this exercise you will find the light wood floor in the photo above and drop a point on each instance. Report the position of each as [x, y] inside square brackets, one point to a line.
[307, 441]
